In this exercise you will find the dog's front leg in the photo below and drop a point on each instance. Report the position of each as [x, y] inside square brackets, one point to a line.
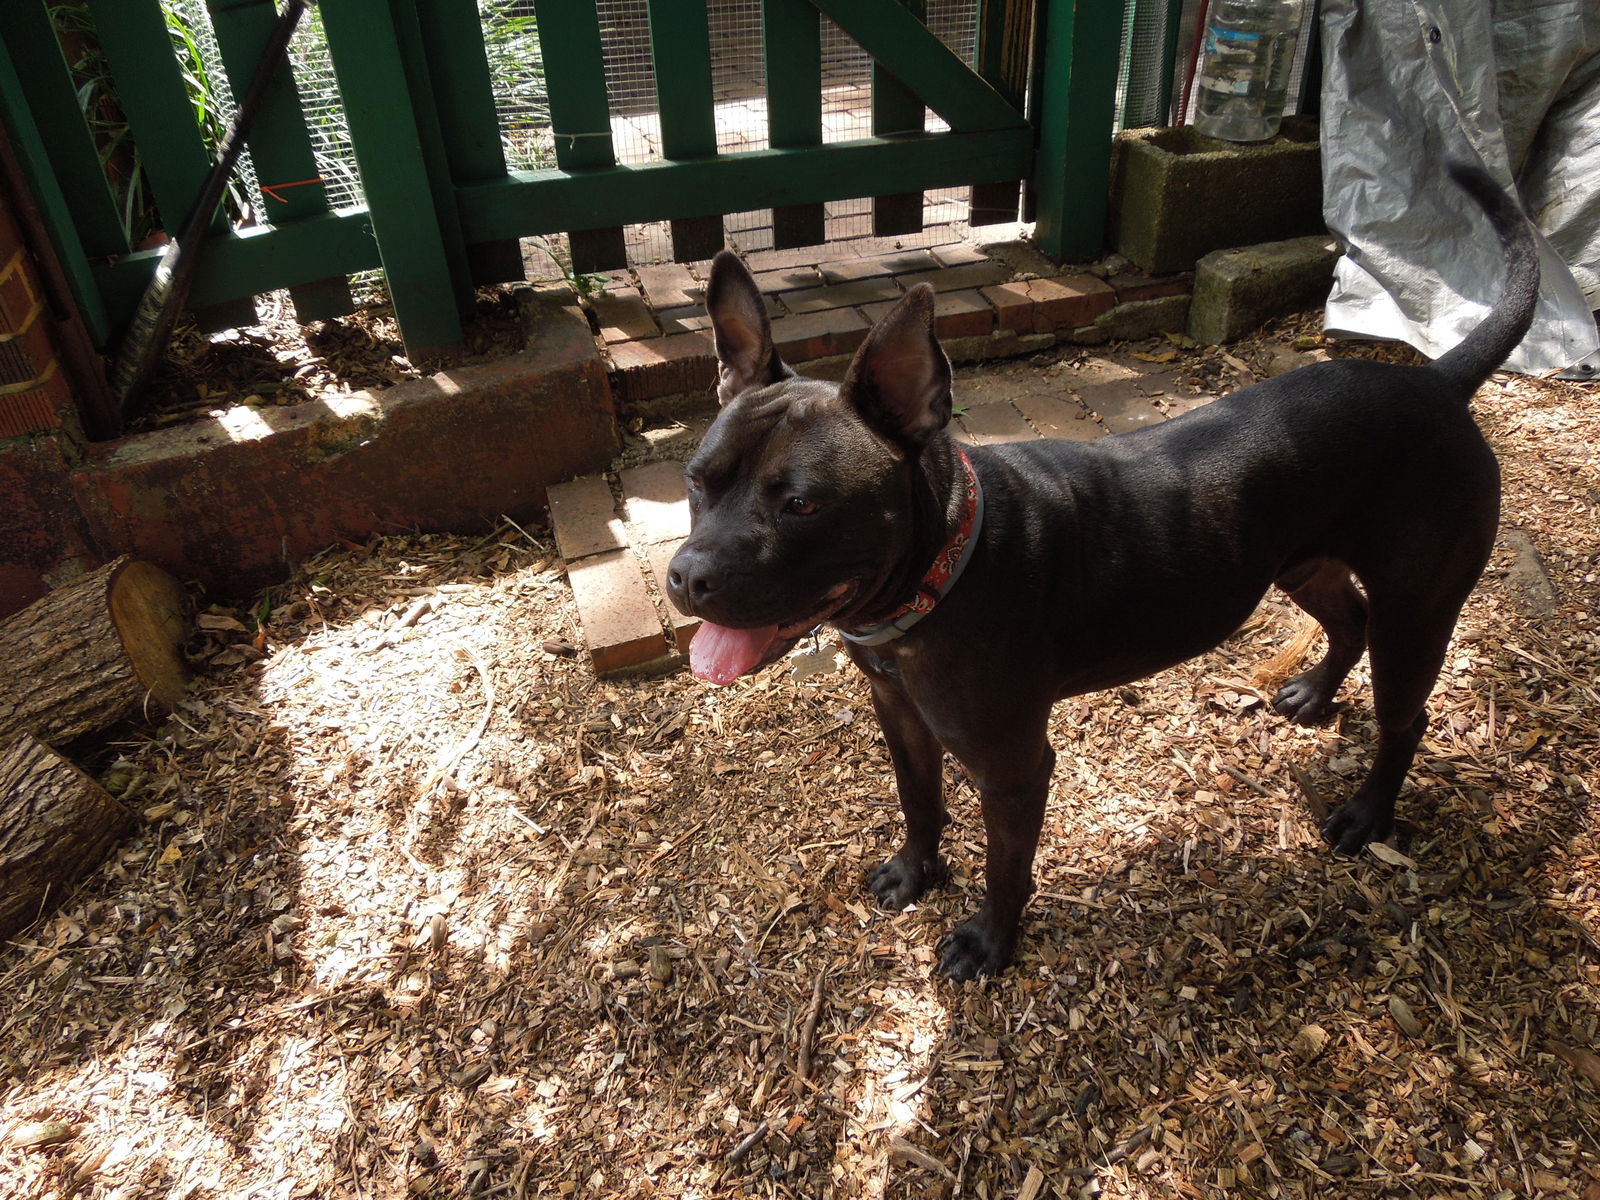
[919, 777]
[1013, 786]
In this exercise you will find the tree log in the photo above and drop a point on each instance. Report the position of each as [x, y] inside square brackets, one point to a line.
[98, 651]
[56, 824]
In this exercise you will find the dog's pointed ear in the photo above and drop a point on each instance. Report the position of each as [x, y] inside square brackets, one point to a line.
[899, 379]
[740, 329]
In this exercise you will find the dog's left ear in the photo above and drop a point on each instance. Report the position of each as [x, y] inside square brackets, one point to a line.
[900, 378]
[739, 327]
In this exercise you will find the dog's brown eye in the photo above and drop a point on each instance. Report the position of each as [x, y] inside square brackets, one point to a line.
[800, 506]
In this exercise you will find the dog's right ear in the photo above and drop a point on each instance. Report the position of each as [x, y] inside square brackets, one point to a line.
[899, 379]
[739, 326]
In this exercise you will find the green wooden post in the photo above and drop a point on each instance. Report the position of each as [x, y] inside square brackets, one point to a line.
[1004, 30]
[40, 179]
[1077, 103]
[424, 256]
[897, 109]
[48, 85]
[452, 35]
[791, 40]
[161, 117]
[580, 116]
[680, 48]
[280, 146]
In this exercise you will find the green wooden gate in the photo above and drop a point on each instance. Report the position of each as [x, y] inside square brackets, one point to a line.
[442, 209]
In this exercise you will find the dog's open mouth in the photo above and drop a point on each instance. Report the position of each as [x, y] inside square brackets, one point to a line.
[720, 655]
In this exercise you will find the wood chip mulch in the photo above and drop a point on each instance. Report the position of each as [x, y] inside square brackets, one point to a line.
[418, 907]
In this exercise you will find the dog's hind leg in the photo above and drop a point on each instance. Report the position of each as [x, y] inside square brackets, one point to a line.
[1324, 589]
[1407, 647]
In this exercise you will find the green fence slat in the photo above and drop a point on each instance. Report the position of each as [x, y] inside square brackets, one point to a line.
[1077, 106]
[53, 97]
[531, 202]
[423, 256]
[791, 38]
[897, 109]
[680, 50]
[280, 145]
[458, 65]
[161, 116]
[896, 38]
[40, 180]
[257, 259]
[580, 115]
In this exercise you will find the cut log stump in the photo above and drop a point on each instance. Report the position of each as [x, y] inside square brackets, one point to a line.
[56, 824]
[104, 648]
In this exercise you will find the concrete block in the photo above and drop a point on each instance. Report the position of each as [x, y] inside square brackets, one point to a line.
[1177, 194]
[1141, 318]
[1237, 291]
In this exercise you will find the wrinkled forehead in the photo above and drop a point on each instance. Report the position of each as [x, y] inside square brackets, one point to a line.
[799, 424]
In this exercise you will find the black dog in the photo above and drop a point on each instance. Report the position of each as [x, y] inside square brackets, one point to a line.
[1045, 569]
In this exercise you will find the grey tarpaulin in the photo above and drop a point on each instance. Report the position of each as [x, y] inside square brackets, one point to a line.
[1409, 84]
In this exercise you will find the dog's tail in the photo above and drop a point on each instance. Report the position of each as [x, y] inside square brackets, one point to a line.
[1487, 346]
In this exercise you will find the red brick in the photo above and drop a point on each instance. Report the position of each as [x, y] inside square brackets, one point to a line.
[1068, 301]
[843, 295]
[1054, 417]
[962, 314]
[1135, 285]
[818, 335]
[660, 555]
[955, 314]
[624, 316]
[872, 266]
[619, 620]
[663, 366]
[986, 424]
[950, 279]
[655, 503]
[1013, 306]
[670, 285]
[584, 517]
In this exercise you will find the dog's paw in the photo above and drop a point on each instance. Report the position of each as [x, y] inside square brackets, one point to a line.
[1303, 701]
[971, 950]
[903, 879]
[1353, 824]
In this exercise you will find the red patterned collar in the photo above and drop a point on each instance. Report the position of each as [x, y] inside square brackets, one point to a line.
[941, 575]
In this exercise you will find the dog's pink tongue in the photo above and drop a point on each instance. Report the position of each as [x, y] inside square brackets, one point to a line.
[720, 655]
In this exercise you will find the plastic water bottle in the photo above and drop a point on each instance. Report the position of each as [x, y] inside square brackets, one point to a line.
[1244, 74]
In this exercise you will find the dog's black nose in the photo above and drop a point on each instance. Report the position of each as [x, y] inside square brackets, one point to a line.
[690, 581]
